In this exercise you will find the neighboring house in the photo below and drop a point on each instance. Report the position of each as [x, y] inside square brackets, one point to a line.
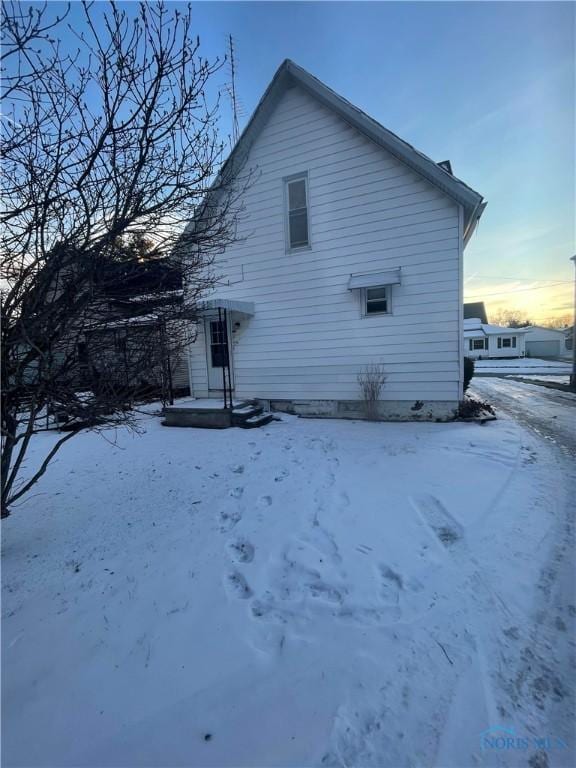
[349, 254]
[127, 342]
[483, 340]
[545, 342]
[475, 310]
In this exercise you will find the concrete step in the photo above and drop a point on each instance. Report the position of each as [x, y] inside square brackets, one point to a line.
[258, 420]
[241, 415]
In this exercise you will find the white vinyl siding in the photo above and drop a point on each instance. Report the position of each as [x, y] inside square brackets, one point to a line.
[309, 336]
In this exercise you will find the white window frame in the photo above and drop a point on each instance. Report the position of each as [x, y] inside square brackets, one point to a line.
[364, 295]
[302, 176]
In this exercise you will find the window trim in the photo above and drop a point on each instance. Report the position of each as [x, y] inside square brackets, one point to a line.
[302, 176]
[364, 295]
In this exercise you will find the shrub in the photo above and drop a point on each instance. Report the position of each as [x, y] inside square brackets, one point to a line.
[371, 380]
[470, 408]
[468, 372]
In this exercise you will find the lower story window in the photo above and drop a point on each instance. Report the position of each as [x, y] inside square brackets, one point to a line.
[377, 300]
[506, 342]
[477, 344]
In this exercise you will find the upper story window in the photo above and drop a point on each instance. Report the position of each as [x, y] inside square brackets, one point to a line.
[377, 300]
[297, 226]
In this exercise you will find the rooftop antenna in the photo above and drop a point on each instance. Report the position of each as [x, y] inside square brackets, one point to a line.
[232, 90]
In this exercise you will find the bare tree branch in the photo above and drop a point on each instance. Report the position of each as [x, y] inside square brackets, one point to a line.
[108, 155]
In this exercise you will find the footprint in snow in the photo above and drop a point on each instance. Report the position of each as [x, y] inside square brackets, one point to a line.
[320, 591]
[265, 501]
[241, 551]
[391, 584]
[228, 519]
[236, 493]
[237, 586]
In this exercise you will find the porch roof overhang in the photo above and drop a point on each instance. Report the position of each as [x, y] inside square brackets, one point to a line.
[372, 279]
[245, 308]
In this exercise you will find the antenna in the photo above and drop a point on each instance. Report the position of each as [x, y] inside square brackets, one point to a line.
[232, 90]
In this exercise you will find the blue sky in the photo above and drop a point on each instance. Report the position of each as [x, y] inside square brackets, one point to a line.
[488, 85]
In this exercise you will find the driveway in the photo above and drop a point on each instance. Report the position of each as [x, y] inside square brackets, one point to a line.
[548, 412]
[551, 415]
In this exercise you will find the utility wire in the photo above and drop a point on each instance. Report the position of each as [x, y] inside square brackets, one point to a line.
[528, 279]
[518, 290]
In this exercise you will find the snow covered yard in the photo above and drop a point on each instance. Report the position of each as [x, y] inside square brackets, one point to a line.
[311, 593]
[521, 366]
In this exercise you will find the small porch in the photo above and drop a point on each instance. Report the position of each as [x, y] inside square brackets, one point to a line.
[221, 318]
[211, 414]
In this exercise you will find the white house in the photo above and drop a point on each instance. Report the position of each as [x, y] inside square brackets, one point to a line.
[483, 340]
[545, 342]
[352, 256]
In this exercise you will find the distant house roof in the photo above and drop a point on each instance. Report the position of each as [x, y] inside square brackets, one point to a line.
[474, 327]
[535, 328]
[474, 309]
[439, 174]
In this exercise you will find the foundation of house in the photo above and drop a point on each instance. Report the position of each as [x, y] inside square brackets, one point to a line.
[387, 410]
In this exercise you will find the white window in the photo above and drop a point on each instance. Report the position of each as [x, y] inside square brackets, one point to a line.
[297, 225]
[477, 344]
[377, 300]
[506, 341]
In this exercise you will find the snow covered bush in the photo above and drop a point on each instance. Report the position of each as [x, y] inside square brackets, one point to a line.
[371, 380]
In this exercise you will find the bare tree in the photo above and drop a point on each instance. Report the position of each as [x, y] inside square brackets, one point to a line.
[113, 141]
[559, 322]
[511, 318]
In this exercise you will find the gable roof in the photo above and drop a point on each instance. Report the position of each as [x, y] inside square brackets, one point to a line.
[475, 309]
[290, 74]
[475, 327]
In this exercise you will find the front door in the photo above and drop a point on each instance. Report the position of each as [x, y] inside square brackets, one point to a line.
[218, 354]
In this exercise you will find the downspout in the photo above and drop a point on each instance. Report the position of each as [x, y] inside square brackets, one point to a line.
[461, 351]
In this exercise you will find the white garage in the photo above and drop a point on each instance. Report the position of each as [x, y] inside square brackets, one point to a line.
[544, 342]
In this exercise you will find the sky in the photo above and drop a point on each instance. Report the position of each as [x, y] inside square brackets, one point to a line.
[488, 85]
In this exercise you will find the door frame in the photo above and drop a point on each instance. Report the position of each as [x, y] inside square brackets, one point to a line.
[208, 342]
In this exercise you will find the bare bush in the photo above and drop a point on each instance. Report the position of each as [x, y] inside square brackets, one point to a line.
[371, 380]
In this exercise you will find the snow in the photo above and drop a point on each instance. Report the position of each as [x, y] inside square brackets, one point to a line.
[474, 326]
[201, 403]
[548, 378]
[520, 366]
[310, 593]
